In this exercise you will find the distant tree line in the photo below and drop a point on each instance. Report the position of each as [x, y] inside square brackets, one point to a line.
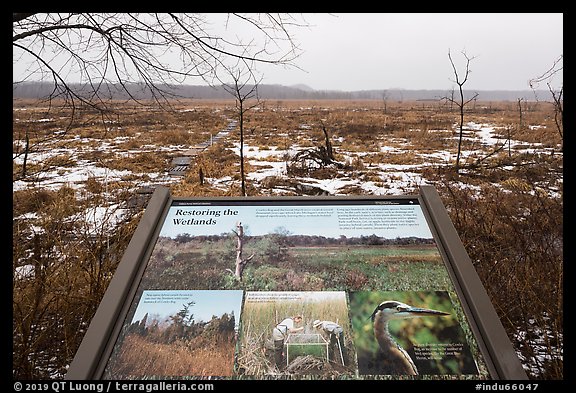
[125, 91]
[183, 327]
[312, 240]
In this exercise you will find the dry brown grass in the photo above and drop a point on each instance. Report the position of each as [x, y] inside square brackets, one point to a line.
[71, 267]
[141, 358]
[503, 210]
[259, 319]
[514, 236]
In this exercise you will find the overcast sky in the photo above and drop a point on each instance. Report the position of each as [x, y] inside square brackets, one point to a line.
[363, 51]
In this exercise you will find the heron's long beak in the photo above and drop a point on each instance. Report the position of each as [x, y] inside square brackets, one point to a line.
[418, 312]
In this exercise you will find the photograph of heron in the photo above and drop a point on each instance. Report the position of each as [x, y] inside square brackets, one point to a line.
[412, 333]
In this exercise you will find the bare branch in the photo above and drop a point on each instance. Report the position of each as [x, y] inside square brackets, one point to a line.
[556, 67]
[159, 51]
[461, 103]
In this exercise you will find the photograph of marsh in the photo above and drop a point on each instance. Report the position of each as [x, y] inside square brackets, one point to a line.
[417, 333]
[178, 334]
[312, 246]
[294, 335]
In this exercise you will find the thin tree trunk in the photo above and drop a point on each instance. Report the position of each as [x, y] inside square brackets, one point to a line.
[461, 130]
[25, 162]
[241, 112]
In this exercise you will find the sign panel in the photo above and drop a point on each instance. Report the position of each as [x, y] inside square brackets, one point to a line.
[297, 288]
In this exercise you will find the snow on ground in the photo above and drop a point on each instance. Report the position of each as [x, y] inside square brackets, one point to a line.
[485, 133]
[96, 221]
[276, 168]
[540, 346]
[393, 179]
[267, 162]
[396, 179]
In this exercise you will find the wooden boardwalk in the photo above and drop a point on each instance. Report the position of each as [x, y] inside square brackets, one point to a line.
[180, 164]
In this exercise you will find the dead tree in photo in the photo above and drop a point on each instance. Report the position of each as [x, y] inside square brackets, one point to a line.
[240, 261]
[461, 103]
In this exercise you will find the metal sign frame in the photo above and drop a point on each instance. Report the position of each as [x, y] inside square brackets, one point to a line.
[97, 345]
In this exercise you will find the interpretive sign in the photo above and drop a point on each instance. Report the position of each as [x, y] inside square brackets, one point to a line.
[296, 288]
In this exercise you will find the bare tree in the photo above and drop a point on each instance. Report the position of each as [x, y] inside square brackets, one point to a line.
[557, 99]
[451, 100]
[385, 100]
[520, 124]
[89, 58]
[243, 92]
[461, 102]
[559, 112]
[140, 54]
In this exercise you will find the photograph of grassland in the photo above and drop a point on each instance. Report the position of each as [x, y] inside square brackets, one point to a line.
[179, 334]
[303, 251]
[307, 351]
[416, 333]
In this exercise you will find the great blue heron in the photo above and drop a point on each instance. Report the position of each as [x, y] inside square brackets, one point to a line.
[393, 359]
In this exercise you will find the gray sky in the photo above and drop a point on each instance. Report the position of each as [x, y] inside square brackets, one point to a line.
[363, 51]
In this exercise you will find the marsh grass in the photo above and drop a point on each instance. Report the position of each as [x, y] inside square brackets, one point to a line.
[141, 358]
[259, 318]
[507, 209]
[298, 269]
